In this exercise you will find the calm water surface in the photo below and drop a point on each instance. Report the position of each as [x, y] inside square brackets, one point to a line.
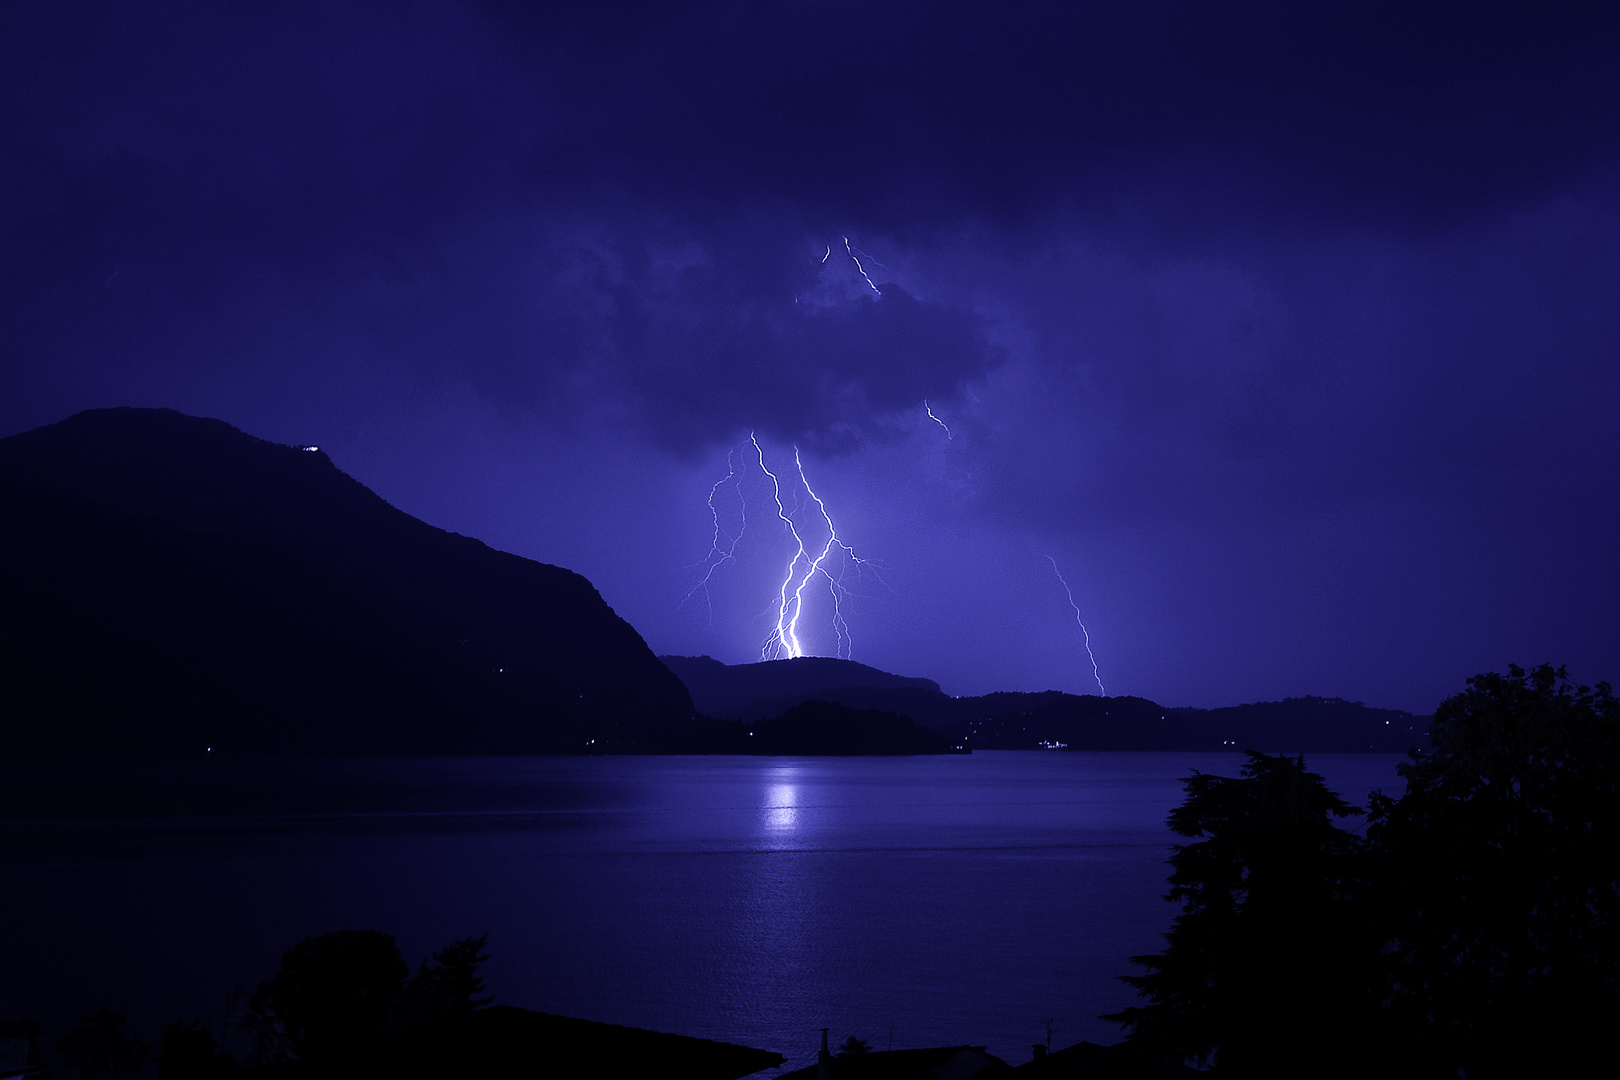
[755, 900]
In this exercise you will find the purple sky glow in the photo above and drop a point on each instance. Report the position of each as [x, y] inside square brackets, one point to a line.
[1288, 331]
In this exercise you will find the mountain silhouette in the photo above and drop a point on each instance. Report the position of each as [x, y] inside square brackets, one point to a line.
[771, 687]
[810, 728]
[1048, 719]
[176, 583]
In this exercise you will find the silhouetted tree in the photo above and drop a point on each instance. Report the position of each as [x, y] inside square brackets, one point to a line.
[448, 986]
[1259, 968]
[100, 1047]
[187, 1051]
[1498, 878]
[331, 998]
[853, 1045]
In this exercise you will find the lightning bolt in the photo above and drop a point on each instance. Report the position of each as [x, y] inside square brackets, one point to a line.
[810, 563]
[718, 557]
[1085, 635]
[806, 565]
[783, 641]
[929, 409]
[858, 267]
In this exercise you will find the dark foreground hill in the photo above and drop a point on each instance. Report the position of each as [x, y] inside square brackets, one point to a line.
[1050, 720]
[173, 584]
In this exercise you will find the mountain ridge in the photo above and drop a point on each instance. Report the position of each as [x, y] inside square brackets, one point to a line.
[730, 691]
[508, 636]
[182, 585]
[1055, 720]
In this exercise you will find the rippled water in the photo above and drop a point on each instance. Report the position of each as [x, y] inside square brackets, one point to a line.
[924, 900]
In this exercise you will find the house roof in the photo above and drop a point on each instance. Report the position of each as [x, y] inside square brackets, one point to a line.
[932, 1063]
[1091, 1061]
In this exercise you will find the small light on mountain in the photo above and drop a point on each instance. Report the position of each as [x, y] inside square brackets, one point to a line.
[311, 449]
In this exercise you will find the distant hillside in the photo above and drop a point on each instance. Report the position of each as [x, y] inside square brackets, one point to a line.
[1309, 725]
[174, 581]
[768, 688]
[1274, 725]
[809, 728]
[1049, 720]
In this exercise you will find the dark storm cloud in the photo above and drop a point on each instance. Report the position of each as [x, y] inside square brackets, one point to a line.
[899, 113]
[716, 340]
[295, 121]
[417, 175]
[406, 177]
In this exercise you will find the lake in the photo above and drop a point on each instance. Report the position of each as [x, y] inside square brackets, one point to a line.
[918, 901]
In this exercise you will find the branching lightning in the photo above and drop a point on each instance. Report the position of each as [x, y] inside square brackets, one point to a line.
[805, 565]
[783, 641]
[858, 267]
[718, 557]
[1085, 635]
[812, 562]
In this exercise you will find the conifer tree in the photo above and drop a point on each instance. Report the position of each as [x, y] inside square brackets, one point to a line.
[1253, 974]
[448, 986]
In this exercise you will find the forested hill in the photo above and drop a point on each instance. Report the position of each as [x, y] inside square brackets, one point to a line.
[1050, 719]
[177, 583]
[1311, 725]
[771, 687]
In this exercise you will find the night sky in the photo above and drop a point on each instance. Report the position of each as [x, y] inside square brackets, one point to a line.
[1287, 330]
